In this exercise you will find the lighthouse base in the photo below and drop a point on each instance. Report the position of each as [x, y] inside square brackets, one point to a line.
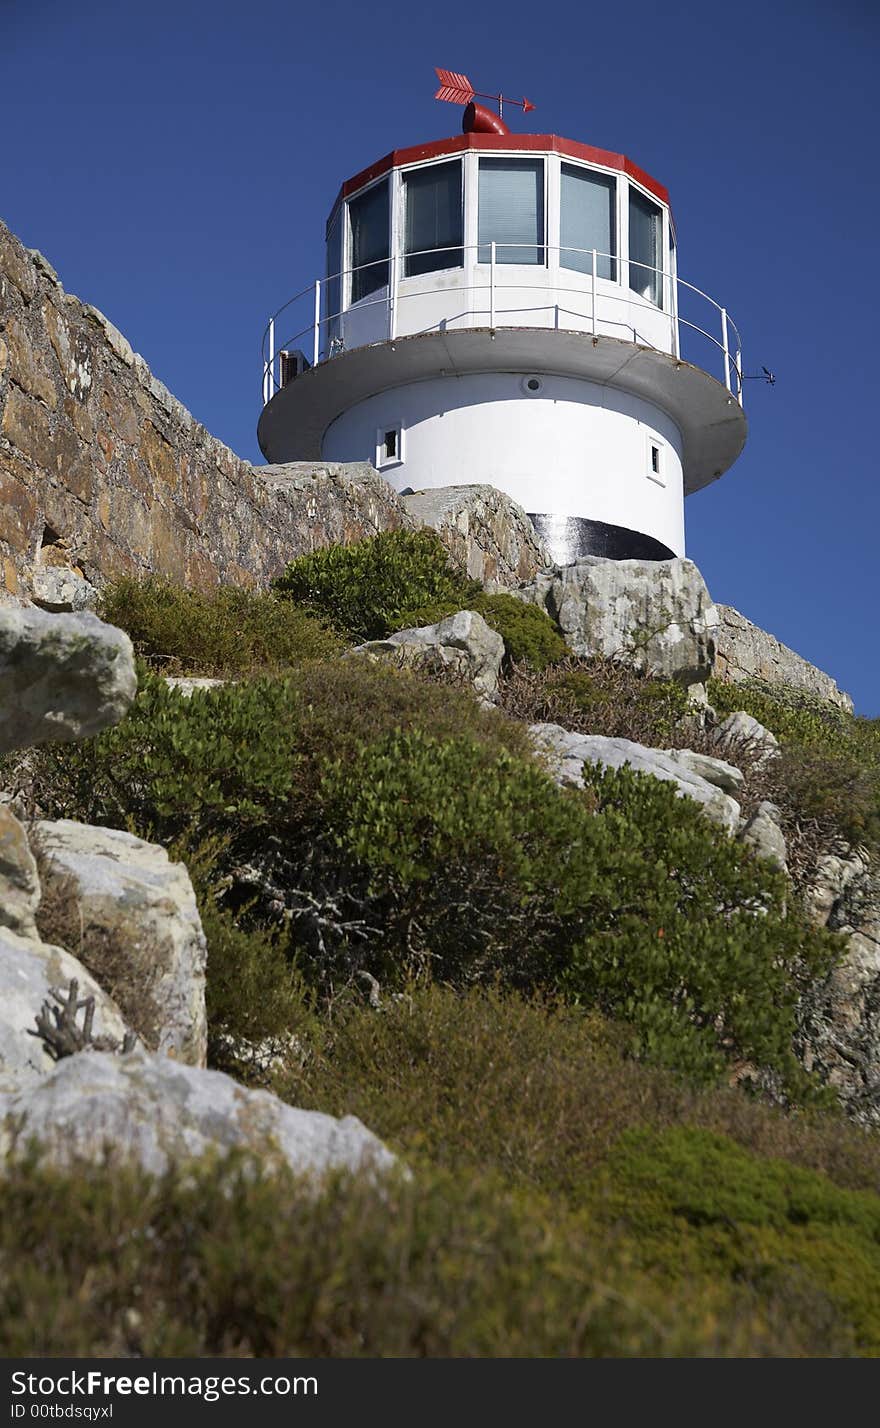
[569, 537]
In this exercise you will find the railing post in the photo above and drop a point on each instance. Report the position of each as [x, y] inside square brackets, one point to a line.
[270, 374]
[316, 344]
[726, 348]
[492, 286]
[739, 379]
[392, 298]
[595, 267]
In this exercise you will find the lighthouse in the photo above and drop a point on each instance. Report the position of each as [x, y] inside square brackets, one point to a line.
[506, 309]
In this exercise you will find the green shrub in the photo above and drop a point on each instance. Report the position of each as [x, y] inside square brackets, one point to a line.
[223, 633]
[598, 696]
[363, 588]
[827, 781]
[529, 635]
[624, 897]
[256, 999]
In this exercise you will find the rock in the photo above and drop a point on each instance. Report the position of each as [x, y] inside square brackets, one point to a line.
[60, 588]
[142, 908]
[485, 532]
[740, 734]
[28, 971]
[147, 1110]
[62, 677]
[462, 643]
[722, 775]
[19, 880]
[747, 652]
[567, 753]
[841, 1026]
[657, 616]
[763, 834]
[189, 683]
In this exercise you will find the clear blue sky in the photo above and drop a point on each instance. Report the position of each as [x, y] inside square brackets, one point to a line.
[175, 161]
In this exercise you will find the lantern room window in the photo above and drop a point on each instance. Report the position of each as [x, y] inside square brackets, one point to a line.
[368, 218]
[333, 284]
[645, 248]
[586, 221]
[434, 225]
[511, 210]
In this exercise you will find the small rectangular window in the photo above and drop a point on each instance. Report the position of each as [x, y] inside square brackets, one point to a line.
[655, 466]
[587, 221]
[389, 446]
[511, 210]
[434, 229]
[369, 217]
[645, 248]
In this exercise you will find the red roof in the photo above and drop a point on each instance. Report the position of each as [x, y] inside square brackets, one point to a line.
[503, 143]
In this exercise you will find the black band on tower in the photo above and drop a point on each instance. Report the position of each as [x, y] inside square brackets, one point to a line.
[568, 537]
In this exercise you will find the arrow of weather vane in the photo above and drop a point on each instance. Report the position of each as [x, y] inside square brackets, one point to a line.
[457, 89]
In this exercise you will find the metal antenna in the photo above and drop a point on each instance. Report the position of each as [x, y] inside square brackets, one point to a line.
[457, 89]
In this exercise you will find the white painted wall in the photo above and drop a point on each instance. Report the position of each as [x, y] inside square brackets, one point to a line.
[574, 449]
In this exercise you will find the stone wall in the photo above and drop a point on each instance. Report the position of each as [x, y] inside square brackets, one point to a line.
[746, 652]
[101, 465]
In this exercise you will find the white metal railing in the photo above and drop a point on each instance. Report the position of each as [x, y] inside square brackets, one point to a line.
[321, 331]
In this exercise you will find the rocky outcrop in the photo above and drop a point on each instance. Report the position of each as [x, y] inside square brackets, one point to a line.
[744, 651]
[567, 752]
[462, 644]
[29, 973]
[764, 836]
[62, 677]
[841, 1033]
[129, 895]
[740, 734]
[657, 616]
[485, 532]
[19, 880]
[155, 1113]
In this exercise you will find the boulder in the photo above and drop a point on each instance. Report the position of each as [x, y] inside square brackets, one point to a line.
[718, 772]
[462, 643]
[59, 588]
[657, 616]
[567, 752]
[763, 834]
[153, 1112]
[485, 532]
[28, 971]
[740, 734]
[142, 908]
[19, 881]
[62, 677]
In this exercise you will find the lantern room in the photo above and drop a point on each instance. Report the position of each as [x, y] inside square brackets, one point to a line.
[506, 309]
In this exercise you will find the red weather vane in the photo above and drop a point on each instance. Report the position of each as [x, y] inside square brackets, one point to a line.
[457, 89]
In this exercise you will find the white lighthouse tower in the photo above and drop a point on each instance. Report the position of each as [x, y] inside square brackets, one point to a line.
[505, 309]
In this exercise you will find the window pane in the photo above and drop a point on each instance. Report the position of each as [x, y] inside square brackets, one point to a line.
[587, 221]
[645, 229]
[512, 210]
[333, 285]
[433, 218]
[368, 216]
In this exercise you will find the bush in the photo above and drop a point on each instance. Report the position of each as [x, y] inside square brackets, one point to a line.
[224, 633]
[827, 781]
[564, 1202]
[362, 589]
[529, 635]
[599, 696]
[625, 898]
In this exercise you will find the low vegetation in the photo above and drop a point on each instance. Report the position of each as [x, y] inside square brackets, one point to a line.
[571, 1013]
